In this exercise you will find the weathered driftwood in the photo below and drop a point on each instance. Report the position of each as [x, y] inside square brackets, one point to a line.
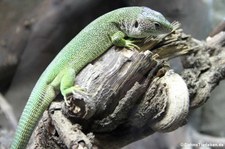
[204, 69]
[128, 95]
[114, 86]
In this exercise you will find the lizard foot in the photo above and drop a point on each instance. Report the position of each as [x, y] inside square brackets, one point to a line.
[118, 39]
[130, 44]
[72, 90]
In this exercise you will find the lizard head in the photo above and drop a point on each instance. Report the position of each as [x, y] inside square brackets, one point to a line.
[147, 23]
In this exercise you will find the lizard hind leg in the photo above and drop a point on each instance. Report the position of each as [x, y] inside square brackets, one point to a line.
[67, 86]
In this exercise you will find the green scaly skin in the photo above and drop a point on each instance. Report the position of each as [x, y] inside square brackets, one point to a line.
[107, 30]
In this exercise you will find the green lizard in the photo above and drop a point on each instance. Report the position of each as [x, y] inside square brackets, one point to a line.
[107, 30]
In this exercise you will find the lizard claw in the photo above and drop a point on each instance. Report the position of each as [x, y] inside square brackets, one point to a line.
[66, 102]
[130, 44]
[72, 90]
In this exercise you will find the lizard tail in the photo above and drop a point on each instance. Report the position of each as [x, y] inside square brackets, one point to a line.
[36, 105]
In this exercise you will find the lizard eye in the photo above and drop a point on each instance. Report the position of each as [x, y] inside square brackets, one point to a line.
[157, 25]
[136, 24]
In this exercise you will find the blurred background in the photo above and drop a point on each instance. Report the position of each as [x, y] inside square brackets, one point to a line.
[32, 32]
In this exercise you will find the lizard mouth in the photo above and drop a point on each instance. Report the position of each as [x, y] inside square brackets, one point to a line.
[170, 27]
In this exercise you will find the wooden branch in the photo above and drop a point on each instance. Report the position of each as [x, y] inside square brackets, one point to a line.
[115, 85]
[129, 95]
[70, 134]
[204, 69]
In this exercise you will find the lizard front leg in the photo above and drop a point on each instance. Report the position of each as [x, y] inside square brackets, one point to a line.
[118, 39]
